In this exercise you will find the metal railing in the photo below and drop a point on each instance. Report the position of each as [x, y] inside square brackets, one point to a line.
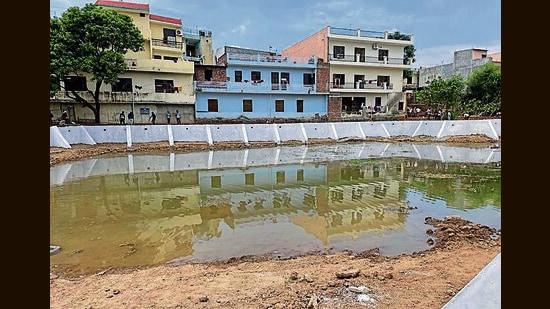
[166, 43]
[364, 59]
[272, 59]
[254, 87]
[361, 85]
[368, 34]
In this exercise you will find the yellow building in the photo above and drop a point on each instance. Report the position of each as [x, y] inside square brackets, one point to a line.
[158, 79]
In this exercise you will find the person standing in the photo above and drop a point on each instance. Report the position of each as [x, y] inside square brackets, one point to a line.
[153, 118]
[178, 117]
[168, 116]
[122, 118]
[131, 117]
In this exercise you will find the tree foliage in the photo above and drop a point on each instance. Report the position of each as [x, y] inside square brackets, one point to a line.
[441, 93]
[483, 92]
[408, 51]
[480, 94]
[91, 41]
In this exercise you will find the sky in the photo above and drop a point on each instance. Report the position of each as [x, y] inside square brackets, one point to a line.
[440, 27]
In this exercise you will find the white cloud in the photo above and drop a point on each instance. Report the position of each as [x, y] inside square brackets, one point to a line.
[240, 29]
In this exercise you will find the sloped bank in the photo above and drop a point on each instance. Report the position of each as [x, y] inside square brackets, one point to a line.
[275, 133]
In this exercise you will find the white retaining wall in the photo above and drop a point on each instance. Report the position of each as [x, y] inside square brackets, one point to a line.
[278, 133]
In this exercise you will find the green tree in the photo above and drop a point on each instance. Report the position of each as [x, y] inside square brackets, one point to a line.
[92, 41]
[408, 51]
[483, 91]
[441, 93]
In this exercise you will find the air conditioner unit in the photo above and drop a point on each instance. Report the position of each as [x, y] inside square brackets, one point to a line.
[178, 32]
[375, 46]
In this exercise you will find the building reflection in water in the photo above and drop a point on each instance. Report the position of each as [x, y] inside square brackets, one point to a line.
[147, 218]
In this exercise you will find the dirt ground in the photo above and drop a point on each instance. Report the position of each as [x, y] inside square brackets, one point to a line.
[427, 279]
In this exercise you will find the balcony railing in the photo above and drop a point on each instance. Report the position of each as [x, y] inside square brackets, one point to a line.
[232, 57]
[368, 34]
[126, 97]
[364, 59]
[196, 32]
[166, 43]
[362, 85]
[254, 87]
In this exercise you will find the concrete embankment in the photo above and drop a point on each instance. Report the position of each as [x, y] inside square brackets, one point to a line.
[278, 133]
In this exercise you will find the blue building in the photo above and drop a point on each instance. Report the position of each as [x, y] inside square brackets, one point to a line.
[255, 84]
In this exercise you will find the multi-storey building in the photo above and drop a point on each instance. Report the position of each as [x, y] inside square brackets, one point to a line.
[366, 67]
[158, 79]
[198, 46]
[464, 63]
[255, 84]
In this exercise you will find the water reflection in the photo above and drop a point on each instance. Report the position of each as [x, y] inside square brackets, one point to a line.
[149, 217]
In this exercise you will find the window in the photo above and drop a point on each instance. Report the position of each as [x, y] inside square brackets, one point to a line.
[213, 105]
[285, 77]
[122, 85]
[274, 80]
[169, 36]
[299, 106]
[338, 80]
[157, 57]
[383, 80]
[285, 80]
[141, 14]
[208, 74]
[247, 105]
[164, 86]
[359, 81]
[279, 106]
[359, 54]
[238, 76]
[190, 50]
[175, 59]
[338, 52]
[309, 79]
[256, 75]
[382, 53]
[76, 83]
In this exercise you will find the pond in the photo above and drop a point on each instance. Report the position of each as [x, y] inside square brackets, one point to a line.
[144, 209]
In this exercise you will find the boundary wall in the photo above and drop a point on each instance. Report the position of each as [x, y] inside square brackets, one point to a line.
[212, 133]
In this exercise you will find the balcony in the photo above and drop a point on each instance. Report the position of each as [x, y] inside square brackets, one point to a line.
[172, 45]
[359, 59]
[268, 60]
[189, 33]
[160, 65]
[126, 97]
[359, 33]
[360, 86]
[253, 87]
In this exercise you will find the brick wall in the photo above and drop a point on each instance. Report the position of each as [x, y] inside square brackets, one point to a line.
[218, 72]
[316, 44]
[334, 108]
[322, 77]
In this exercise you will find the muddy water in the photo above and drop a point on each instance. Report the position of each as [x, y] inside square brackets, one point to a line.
[150, 215]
